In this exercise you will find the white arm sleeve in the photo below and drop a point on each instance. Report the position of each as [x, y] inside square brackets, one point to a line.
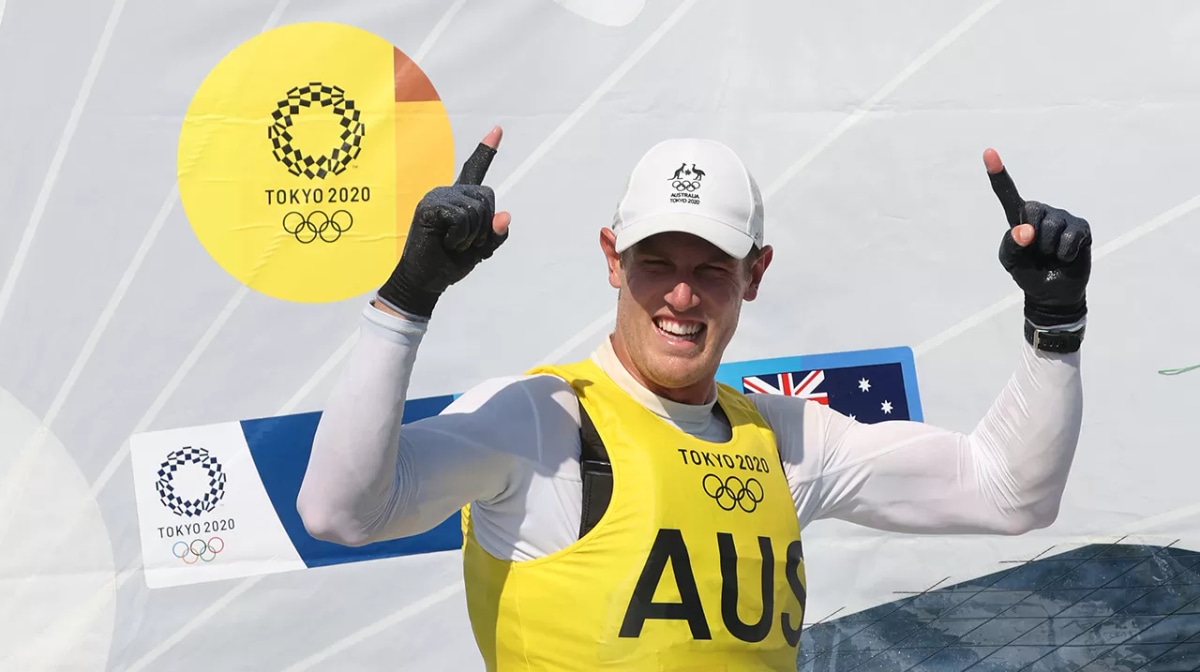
[1006, 476]
[367, 480]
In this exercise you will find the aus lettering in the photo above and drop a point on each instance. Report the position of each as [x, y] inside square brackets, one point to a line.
[709, 459]
[669, 548]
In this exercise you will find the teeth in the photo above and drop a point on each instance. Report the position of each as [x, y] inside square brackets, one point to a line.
[677, 328]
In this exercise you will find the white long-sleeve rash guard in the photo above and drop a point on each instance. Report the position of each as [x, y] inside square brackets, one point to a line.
[510, 447]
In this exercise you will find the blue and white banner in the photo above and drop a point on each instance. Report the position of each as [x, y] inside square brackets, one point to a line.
[219, 501]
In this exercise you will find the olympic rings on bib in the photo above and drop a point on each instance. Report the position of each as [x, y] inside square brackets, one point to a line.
[733, 492]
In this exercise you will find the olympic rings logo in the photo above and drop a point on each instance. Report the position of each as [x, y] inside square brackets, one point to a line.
[686, 185]
[317, 224]
[199, 549]
[732, 492]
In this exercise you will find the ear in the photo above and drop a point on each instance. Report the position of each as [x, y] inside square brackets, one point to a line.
[757, 270]
[608, 243]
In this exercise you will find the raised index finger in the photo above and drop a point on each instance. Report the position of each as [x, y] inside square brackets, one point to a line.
[475, 168]
[1004, 188]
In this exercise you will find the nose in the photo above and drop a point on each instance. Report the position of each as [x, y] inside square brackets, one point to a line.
[682, 298]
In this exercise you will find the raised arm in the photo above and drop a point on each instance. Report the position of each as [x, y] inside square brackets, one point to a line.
[370, 479]
[1008, 474]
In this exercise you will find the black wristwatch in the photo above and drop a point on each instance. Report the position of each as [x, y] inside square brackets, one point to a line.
[1054, 339]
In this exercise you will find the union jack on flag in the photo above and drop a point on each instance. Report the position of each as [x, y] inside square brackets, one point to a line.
[867, 393]
[789, 384]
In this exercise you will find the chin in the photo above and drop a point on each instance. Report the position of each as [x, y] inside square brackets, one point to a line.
[677, 372]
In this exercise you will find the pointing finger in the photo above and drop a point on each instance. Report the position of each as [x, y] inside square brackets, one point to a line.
[1004, 188]
[476, 166]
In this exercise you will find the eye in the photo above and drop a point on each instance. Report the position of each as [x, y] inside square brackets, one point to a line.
[712, 269]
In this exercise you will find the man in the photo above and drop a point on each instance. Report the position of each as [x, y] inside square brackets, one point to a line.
[625, 511]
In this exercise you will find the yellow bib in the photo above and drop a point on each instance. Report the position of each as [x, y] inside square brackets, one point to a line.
[697, 537]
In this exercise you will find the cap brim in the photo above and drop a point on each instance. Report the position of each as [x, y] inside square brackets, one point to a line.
[728, 239]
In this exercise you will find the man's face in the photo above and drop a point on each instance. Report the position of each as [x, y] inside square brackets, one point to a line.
[678, 307]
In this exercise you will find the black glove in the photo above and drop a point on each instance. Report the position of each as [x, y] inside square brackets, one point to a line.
[1054, 269]
[451, 233]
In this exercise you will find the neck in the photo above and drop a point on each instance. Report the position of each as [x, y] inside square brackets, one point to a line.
[695, 419]
[697, 394]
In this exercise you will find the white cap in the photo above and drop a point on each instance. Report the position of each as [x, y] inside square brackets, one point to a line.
[695, 186]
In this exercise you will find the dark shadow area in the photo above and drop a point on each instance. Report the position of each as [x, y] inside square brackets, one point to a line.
[1099, 608]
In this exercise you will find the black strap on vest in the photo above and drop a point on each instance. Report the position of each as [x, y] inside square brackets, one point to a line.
[596, 470]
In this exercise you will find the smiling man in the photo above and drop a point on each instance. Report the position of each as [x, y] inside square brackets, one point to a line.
[589, 543]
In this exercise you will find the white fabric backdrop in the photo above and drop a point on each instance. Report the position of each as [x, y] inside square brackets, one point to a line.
[864, 122]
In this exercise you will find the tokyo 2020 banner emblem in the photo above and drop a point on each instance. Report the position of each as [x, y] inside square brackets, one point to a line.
[302, 157]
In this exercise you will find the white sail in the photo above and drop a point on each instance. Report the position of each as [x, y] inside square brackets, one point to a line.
[159, 382]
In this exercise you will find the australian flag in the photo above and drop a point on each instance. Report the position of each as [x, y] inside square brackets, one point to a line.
[868, 393]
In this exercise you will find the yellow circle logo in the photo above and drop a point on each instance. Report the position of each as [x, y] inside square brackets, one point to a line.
[302, 156]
